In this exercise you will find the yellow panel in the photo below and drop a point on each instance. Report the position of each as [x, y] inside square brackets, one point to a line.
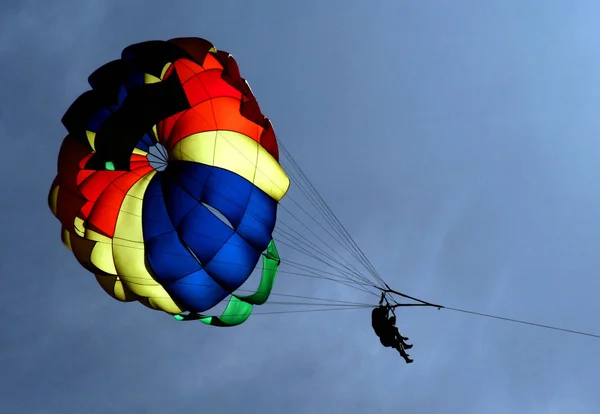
[101, 255]
[94, 236]
[165, 304]
[237, 153]
[82, 249]
[148, 78]
[66, 239]
[53, 200]
[164, 70]
[140, 152]
[91, 137]
[102, 258]
[129, 254]
[115, 288]
[79, 226]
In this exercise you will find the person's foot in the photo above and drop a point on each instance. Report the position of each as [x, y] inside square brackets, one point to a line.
[407, 346]
[408, 360]
[405, 338]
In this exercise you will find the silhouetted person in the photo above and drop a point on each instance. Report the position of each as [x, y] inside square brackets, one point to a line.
[385, 328]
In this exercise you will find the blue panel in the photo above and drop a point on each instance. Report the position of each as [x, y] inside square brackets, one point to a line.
[122, 94]
[204, 233]
[172, 265]
[155, 219]
[146, 142]
[169, 259]
[95, 120]
[133, 80]
[197, 292]
[233, 263]
[178, 202]
[127, 53]
[142, 145]
[228, 193]
[259, 219]
[192, 179]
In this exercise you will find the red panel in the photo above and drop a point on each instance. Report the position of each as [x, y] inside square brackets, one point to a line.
[104, 214]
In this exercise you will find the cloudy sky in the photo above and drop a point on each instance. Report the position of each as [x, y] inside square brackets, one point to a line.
[456, 140]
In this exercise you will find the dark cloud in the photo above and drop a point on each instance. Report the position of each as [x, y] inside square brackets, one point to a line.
[457, 143]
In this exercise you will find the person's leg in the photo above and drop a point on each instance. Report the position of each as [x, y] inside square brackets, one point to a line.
[403, 354]
[402, 340]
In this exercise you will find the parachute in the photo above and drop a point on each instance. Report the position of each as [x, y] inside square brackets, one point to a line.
[182, 238]
[169, 190]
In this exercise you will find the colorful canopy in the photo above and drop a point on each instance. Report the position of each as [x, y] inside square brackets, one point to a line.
[186, 237]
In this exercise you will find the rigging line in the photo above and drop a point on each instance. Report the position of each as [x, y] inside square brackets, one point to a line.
[321, 299]
[300, 311]
[318, 223]
[309, 249]
[314, 274]
[315, 196]
[337, 270]
[271, 302]
[305, 267]
[395, 292]
[304, 183]
[366, 261]
[315, 270]
[314, 202]
[358, 285]
[311, 310]
[310, 246]
[296, 234]
[368, 264]
[338, 273]
[349, 271]
[311, 194]
[539, 325]
[301, 239]
[342, 265]
[287, 225]
[319, 238]
[332, 276]
[302, 247]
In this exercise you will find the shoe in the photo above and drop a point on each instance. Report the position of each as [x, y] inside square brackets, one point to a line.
[407, 346]
[408, 360]
[405, 338]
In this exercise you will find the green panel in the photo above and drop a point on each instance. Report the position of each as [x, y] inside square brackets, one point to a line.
[239, 307]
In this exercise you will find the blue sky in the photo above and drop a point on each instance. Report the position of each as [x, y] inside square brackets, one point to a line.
[457, 142]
